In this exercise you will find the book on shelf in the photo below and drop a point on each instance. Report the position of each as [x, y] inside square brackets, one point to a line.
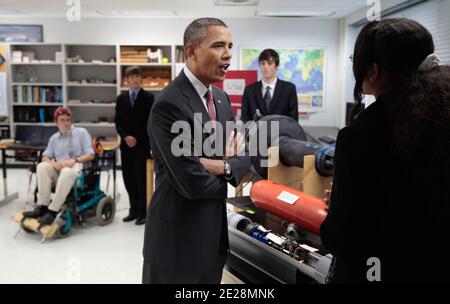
[30, 95]
[142, 55]
[37, 94]
[33, 114]
[42, 115]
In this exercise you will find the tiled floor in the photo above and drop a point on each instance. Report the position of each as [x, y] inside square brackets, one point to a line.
[92, 254]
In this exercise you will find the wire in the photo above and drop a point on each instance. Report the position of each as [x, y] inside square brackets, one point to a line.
[241, 190]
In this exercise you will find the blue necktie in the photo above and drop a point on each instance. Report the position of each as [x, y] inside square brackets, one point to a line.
[132, 99]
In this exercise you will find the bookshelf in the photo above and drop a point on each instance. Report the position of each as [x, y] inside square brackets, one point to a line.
[36, 89]
[156, 62]
[91, 84]
[84, 77]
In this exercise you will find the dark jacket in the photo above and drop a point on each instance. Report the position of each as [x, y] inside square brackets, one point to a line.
[133, 121]
[284, 101]
[186, 223]
[387, 204]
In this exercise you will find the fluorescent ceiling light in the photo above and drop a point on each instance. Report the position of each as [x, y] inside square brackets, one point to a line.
[270, 13]
[236, 2]
[108, 13]
[114, 13]
[149, 13]
[11, 12]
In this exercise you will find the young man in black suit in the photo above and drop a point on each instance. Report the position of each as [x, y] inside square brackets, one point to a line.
[132, 112]
[186, 237]
[270, 95]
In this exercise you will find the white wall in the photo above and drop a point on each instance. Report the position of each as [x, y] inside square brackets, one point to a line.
[246, 32]
[432, 14]
[362, 13]
[306, 33]
[351, 33]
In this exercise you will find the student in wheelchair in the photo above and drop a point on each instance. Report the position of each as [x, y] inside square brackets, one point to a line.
[61, 164]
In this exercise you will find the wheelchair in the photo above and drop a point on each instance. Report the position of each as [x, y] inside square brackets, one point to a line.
[85, 200]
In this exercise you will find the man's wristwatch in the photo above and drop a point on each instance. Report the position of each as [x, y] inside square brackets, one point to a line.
[76, 160]
[227, 169]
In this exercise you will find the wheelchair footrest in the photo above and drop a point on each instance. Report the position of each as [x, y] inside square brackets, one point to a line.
[32, 224]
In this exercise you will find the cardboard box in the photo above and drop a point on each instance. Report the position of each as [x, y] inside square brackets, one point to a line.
[59, 57]
[17, 56]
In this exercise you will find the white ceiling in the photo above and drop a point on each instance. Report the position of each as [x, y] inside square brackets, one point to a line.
[179, 8]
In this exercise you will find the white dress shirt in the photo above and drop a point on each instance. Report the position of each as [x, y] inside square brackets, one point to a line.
[271, 85]
[198, 86]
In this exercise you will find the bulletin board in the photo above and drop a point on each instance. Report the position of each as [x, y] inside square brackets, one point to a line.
[234, 85]
[3, 63]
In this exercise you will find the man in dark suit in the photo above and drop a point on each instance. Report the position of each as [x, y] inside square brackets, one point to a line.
[270, 95]
[132, 112]
[186, 237]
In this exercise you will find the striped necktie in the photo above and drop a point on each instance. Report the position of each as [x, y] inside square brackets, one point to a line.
[211, 108]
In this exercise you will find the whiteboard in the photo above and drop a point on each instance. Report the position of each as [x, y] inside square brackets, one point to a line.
[3, 105]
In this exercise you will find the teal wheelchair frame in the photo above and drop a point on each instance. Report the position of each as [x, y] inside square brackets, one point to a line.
[86, 199]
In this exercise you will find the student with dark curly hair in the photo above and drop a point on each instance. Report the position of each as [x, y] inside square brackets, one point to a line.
[391, 196]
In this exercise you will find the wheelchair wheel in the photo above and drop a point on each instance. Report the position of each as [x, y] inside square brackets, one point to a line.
[64, 230]
[105, 211]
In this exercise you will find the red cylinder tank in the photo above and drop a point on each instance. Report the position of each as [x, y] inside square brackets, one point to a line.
[295, 206]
